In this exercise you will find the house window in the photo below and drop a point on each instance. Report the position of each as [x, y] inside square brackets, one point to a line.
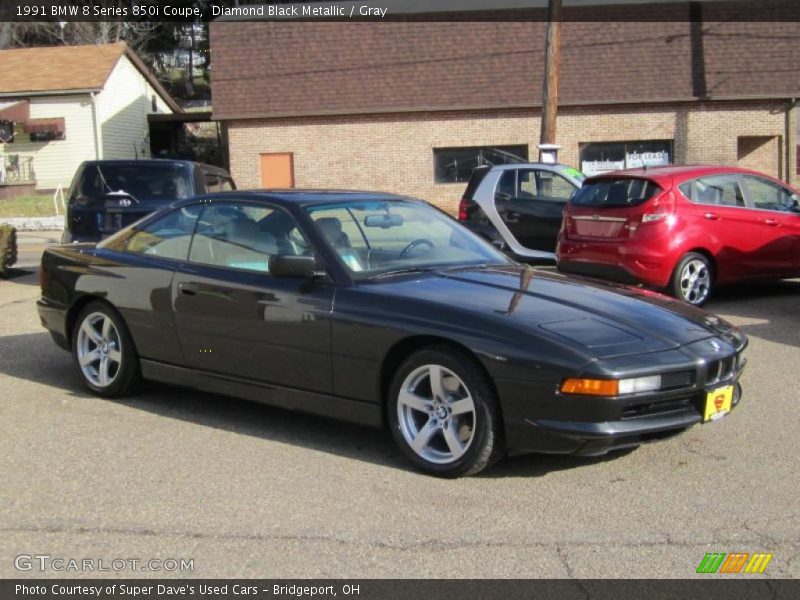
[44, 130]
[6, 132]
[455, 165]
[600, 157]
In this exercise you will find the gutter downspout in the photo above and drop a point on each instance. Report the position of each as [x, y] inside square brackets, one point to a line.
[791, 142]
[98, 150]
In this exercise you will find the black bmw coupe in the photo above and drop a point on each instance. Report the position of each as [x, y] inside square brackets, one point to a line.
[384, 311]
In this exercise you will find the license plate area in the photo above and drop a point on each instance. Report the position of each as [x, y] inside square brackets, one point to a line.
[718, 403]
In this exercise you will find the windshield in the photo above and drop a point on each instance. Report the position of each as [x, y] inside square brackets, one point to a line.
[374, 238]
[143, 182]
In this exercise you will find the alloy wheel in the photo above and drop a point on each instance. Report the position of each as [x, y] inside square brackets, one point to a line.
[695, 281]
[99, 350]
[436, 414]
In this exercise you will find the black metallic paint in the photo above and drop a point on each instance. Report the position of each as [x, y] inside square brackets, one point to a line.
[323, 345]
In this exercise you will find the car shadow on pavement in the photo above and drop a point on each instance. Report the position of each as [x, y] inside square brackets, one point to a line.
[24, 276]
[35, 358]
[772, 305]
[539, 465]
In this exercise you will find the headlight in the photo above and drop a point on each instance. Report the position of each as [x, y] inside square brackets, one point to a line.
[640, 384]
[610, 387]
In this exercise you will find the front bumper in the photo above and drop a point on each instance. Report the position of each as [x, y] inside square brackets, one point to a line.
[539, 418]
[597, 438]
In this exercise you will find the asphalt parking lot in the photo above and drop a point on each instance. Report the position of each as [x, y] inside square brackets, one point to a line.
[245, 490]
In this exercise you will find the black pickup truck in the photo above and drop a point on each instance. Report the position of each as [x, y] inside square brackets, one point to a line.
[107, 195]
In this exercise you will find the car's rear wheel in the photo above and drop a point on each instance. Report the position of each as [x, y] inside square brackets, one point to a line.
[443, 413]
[693, 279]
[104, 352]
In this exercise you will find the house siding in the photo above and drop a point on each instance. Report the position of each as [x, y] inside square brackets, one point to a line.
[122, 109]
[55, 162]
[394, 152]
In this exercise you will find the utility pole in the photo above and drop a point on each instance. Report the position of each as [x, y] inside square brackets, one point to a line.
[550, 86]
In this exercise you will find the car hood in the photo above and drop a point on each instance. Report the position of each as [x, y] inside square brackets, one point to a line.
[604, 319]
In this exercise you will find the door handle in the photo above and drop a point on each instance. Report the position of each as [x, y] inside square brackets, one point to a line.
[771, 222]
[711, 216]
[512, 217]
[188, 289]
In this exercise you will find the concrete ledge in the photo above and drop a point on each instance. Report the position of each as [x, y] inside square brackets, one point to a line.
[35, 223]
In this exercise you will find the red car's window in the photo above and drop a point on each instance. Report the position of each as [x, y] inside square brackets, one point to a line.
[615, 193]
[766, 195]
[722, 190]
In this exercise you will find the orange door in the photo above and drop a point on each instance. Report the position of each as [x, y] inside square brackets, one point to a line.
[277, 170]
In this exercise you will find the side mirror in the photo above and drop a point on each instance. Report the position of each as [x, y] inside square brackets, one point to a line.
[286, 265]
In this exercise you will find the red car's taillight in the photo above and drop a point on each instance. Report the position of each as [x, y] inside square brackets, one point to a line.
[658, 211]
[463, 215]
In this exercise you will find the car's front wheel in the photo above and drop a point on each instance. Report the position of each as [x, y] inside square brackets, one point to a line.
[443, 413]
[104, 354]
[692, 279]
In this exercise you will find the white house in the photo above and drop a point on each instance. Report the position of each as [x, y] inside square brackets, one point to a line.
[62, 105]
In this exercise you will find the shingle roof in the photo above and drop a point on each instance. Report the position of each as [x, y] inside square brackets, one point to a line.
[63, 68]
[271, 69]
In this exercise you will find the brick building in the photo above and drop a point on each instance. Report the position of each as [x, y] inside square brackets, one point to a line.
[407, 107]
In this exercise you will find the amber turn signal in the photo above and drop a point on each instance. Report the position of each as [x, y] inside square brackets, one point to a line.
[590, 387]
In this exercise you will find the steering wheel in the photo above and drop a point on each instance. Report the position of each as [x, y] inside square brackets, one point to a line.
[414, 244]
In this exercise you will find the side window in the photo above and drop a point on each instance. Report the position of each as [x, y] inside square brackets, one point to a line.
[553, 186]
[167, 237]
[542, 185]
[212, 183]
[723, 190]
[506, 187]
[225, 184]
[241, 236]
[767, 195]
[340, 228]
[527, 187]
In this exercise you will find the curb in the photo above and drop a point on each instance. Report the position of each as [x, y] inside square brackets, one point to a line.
[35, 223]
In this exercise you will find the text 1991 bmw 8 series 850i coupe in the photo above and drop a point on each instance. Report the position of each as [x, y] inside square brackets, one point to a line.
[382, 310]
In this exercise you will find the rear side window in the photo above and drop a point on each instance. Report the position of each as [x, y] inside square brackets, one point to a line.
[167, 237]
[615, 193]
[217, 183]
[723, 190]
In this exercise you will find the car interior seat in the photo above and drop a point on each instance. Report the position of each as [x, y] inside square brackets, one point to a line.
[331, 228]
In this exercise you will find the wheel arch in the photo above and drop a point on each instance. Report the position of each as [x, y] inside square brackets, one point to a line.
[404, 348]
[712, 260]
[76, 308]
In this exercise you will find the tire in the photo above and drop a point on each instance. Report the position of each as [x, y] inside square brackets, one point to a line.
[458, 428]
[693, 279]
[100, 334]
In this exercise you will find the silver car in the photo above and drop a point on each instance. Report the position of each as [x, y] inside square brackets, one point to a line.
[519, 206]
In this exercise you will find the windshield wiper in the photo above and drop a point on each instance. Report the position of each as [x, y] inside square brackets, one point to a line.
[403, 271]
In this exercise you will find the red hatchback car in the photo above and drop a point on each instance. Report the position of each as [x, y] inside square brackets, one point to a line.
[685, 229]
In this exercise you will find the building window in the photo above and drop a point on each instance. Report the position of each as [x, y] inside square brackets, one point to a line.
[454, 165]
[6, 132]
[600, 157]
